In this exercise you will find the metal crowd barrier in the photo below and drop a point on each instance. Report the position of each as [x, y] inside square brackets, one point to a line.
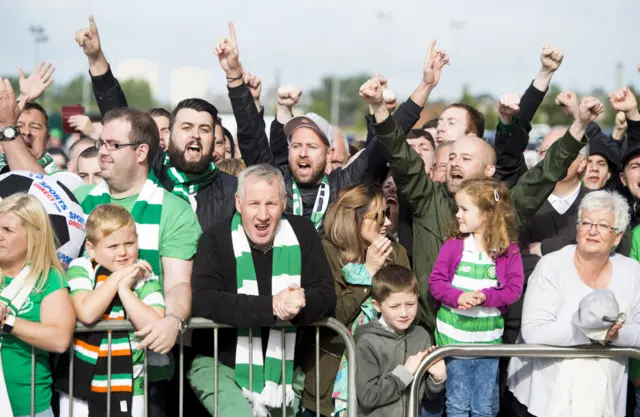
[525, 351]
[199, 323]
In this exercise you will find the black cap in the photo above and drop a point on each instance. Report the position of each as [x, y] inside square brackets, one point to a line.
[597, 147]
[628, 155]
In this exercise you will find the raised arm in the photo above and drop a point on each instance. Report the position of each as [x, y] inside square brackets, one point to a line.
[109, 95]
[537, 184]
[288, 96]
[623, 100]
[252, 139]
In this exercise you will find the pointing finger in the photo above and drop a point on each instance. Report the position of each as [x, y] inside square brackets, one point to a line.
[92, 24]
[232, 32]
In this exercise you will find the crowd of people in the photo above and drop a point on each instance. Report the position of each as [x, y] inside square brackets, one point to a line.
[428, 236]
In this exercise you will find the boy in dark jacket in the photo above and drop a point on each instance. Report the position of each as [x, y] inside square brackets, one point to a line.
[390, 349]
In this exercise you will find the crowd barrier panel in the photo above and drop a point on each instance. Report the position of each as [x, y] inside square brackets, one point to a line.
[199, 323]
[508, 351]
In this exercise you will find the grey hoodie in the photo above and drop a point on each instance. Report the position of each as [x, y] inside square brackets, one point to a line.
[381, 379]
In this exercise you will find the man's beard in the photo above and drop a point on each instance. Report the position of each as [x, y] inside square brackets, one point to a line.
[315, 178]
[177, 158]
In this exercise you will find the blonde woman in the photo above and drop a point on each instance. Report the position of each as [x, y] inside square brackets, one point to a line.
[357, 247]
[32, 285]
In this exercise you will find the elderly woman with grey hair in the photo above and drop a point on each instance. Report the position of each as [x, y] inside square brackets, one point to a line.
[557, 286]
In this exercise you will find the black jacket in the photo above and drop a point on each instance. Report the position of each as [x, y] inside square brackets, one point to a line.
[370, 166]
[215, 202]
[215, 290]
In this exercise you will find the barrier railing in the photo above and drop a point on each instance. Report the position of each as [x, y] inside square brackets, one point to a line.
[525, 351]
[199, 323]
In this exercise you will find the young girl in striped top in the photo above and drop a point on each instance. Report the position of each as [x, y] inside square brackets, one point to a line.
[477, 275]
[112, 285]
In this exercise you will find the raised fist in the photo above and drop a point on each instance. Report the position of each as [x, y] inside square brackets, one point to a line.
[89, 40]
[621, 121]
[371, 91]
[551, 58]
[623, 100]
[568, 100]
[289, 95]
[508, 106]
[436, 59]
[254, 83]
[227, 52]
[590, 108]
[389, 98]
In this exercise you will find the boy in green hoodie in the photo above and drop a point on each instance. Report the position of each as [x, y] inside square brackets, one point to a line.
[390, 349]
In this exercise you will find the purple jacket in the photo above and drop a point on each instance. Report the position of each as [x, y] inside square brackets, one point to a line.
[509, 271]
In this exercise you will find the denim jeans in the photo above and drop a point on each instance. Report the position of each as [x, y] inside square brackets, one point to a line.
[471, 387]
[433, 408]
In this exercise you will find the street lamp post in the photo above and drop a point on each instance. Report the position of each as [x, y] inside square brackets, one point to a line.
[39, 36]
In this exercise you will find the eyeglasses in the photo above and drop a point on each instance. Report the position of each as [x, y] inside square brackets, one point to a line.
[600, 227]
[112, 145]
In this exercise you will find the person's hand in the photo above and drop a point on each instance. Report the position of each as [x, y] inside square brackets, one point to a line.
[377, 254]
[590, 108]
[371, 91]
[623, 100]
[612, 334]
[254, 83]
[621, 121]
[159, 336]
[132, 274]
[568, 100]
[9, 109]
[227, 52]
[4, 310]
[289, 95]
[89, 40]
[468, 300]
[413, 362]
[433, 64]
[389, 99]
[288, 302]
[40, 79]
[508, 106]
[438, 370]
[480, 297]
[551, 58]
[82, 124]
[536, 248]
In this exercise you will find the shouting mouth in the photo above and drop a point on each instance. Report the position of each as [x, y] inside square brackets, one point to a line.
[304, 168]
[193, 150]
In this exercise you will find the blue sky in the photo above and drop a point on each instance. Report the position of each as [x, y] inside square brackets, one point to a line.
[495, 51]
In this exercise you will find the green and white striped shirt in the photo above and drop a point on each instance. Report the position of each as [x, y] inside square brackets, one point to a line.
[476, 271]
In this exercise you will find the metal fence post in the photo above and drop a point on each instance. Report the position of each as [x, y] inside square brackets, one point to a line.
[145, 381]
[71, 357]
[33, 381]
[494, 351]
[109, 340]
[181, 379]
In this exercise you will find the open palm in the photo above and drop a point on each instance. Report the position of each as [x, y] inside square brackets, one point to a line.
[39, 80]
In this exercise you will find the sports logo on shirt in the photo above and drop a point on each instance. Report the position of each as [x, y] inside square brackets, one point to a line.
[27, 306]
[491, 272]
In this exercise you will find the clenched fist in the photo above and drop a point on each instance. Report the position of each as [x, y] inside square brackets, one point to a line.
[623, 100]
[289, 95]
[551, 58]
[508, 106]
[371, 91]
[568, 100]
[254, 83]
[590, 108]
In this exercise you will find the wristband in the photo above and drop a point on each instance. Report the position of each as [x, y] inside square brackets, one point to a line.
[231, 79]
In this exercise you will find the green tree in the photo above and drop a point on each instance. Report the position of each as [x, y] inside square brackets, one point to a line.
[139, 94]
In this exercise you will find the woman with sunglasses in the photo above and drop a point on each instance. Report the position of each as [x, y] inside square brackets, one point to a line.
[357, 246]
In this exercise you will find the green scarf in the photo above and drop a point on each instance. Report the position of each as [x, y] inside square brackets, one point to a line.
[186, 185]
[320, 206]
[46, 162]
[146, 212]
[266, 391]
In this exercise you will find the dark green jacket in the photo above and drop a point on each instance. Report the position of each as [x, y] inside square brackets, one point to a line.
[433, 206]
[348, 300]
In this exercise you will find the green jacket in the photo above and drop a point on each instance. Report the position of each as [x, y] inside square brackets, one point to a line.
[348, 300]
[433, 206]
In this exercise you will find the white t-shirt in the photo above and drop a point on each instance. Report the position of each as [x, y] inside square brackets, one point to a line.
[553, 295]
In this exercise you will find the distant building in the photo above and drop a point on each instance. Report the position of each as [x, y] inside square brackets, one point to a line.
[141, 69]
[189, 82]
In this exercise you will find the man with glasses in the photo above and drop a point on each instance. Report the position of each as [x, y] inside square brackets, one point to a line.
[168, 228]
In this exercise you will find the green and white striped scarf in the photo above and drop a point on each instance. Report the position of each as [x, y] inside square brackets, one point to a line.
[46, 162]
[186, 185]
[146, 212]
[320, 206]
[266, 391]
